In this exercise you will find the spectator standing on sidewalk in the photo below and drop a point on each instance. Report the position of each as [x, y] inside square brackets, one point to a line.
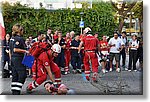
[31, 40]
[116, 45]
[140, 54]
[123, 51]
[133, 47]
[28, 46]
[96, 35]
[72, 33]
[104, 48]
[6, 58]
[49, 36]
[60, 59]
[55, 36]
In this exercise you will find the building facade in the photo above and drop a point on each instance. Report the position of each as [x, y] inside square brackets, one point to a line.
[51, 4]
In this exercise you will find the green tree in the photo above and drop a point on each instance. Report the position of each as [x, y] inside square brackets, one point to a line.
[138, 13]
[122, 10]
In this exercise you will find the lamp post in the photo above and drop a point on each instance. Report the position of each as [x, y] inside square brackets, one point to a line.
[81, 22]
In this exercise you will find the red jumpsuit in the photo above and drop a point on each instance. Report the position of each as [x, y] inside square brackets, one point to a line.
[40, 73]
[82, 51]
[67, 54]
[90, 46]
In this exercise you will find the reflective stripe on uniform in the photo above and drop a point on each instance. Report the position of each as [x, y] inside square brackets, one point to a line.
[58, 82]
[16, 88]
[87, 73]
[16, 83]
[35, 84]
[42, 70]
[58, 79]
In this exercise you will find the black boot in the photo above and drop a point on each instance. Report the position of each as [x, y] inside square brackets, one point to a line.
[15, 92]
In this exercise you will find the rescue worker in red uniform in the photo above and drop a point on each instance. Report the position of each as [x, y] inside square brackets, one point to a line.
[82, 51]
[90, 45]
[46, 65]
[67, 52]
[83, 35]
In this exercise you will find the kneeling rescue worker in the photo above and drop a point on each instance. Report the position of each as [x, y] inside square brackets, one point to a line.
[45, 65]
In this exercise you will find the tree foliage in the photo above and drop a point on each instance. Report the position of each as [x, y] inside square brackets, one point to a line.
[138, 13]
[123, 10]
[138, 10]
[99, 18]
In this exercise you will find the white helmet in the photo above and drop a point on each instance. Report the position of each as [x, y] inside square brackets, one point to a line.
[87, 29]
[56, 48]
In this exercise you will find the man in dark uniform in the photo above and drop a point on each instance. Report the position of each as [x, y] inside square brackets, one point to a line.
[17, 46]
[60, 59]
[75, 57]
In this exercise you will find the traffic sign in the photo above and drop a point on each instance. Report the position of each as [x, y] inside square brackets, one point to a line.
[81, 24]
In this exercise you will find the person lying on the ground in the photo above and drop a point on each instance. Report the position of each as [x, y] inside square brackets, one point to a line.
[61, 90]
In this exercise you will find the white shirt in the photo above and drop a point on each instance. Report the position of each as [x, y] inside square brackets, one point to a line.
[134, 43]
[118, 43]
[124, 40]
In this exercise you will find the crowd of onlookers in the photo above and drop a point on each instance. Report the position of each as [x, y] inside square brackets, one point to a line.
[118, 46]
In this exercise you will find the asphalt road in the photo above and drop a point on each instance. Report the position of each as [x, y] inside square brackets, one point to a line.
[111, 83]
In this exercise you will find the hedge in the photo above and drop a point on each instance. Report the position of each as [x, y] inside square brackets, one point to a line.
[100, 18]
